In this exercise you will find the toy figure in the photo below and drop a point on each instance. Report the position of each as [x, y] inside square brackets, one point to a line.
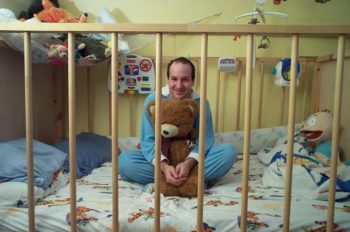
[318, 132]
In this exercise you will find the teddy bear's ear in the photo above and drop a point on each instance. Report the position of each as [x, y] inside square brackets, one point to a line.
[193, 105]
[151, 107]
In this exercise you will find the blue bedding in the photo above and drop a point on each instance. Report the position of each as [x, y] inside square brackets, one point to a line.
[13, 165]
[92, 150]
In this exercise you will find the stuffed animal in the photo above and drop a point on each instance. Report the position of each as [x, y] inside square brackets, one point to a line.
[178, 136]
[34, 8]
[318, 132]
[57, 50]
[52, 14]
[92, 48]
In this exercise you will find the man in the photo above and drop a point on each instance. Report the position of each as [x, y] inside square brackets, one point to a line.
[138, 166]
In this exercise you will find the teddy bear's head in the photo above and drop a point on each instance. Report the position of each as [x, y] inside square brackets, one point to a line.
[57, 50]
[176, 116]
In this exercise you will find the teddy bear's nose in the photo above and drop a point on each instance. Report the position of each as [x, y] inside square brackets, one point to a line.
[165, 132]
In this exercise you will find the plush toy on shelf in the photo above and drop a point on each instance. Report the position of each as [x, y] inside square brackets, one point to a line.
[178, 136]
[57, 50]
[34, 8]
[52, 14]
[90, 48]
[318, 132]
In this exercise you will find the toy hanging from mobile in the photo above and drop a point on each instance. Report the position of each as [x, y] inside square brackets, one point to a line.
[282, 72]
[264, 42]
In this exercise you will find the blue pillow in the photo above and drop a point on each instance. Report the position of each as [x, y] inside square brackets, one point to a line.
[92, 150]
[13, 166]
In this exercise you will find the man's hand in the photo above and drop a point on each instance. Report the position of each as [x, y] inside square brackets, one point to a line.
[184, 168]
[171, 175]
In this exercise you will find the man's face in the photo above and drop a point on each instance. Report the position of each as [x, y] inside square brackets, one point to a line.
[180, 81]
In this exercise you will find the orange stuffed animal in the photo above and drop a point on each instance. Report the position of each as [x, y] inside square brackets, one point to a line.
[52, 14]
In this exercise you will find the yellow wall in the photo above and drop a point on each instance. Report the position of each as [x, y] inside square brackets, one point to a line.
[304, 12]
[299, 12]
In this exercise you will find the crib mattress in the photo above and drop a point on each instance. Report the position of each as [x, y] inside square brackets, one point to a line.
[222, 207]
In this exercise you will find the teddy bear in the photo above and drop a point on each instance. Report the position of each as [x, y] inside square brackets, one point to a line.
[57, 50]
[178, 136]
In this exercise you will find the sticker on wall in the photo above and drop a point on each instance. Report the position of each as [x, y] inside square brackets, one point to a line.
[282, 72]
[136, 75]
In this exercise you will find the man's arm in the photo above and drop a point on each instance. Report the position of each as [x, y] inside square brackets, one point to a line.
[209, 133]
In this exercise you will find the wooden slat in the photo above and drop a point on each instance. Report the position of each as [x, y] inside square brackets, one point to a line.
[28, 89]
[291, 123]
[202, 126]
[247, 130]
[283, 99]
[306, 88]
[72, 129]
[217, 100]
[316, 88]
[114, 130]
[189, 29]
[239, 95]
[58, 103]
[261, 92]
[89, 101]
[158, 141]
[335, 131]
[132, 115]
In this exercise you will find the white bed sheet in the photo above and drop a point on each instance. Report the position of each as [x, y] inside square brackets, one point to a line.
[222, 205]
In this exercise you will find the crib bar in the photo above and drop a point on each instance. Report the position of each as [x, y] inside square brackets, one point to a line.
[316, 87]
[291, 123]
[29, 127]
[238, 101]
[114, 123]
[157, 171]
[188, 29]
[72, 129]
[202, 126]
[282, 104]
[261, 92]
[58, 103]
[335, 133]
[307, 82]
[247, 130]
[88, 97]
[132, 113]
[217, 100]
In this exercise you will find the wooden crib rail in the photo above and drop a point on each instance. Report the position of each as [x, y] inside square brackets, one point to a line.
[182, 29]
[339, 32]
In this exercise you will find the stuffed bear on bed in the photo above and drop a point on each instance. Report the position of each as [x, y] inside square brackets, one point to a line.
[178, 135]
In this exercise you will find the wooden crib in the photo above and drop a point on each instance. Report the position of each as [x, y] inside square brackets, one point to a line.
[159, 30]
